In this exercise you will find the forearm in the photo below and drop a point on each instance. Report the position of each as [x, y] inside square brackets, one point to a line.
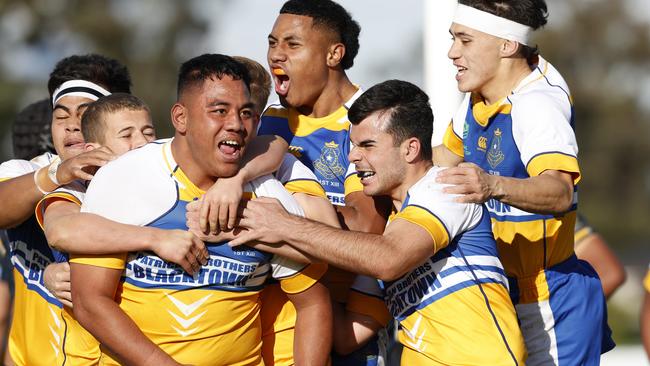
[352, 251]
[85, 233]
[263, 156]
[312, 343]
[19, 197]
[540, 194]
[365, 214]
[102, 317]
[443, 157]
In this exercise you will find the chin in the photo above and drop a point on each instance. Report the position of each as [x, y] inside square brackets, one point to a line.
[227, 170]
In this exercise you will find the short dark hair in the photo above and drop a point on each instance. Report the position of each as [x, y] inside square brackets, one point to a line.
[101, 70]
[332, 16]
[198, 69]
[408, 107]
[31, 131]
[533, 13]
[93, 124]
[260, 85]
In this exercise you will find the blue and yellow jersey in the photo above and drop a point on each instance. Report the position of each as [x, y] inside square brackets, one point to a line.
[79, 346]
[460, 294]
[524, 134]
[322, 144]
[213, 317]
[37, 328]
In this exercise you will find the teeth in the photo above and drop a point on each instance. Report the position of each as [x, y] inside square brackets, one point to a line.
[365, 174]
[230, 143]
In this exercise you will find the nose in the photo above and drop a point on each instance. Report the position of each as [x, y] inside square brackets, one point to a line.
[73, 123]
[234, 122]
[139, 139]
[354, 155]
[276, 54]
[454, 52]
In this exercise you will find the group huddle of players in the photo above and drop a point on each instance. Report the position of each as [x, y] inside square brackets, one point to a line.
[299, 232]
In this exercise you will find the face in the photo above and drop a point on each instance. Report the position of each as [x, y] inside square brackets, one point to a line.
[219, 122]
[476, 56]
[297, 56]
[127, 130]
[66, 126]
[378, 161]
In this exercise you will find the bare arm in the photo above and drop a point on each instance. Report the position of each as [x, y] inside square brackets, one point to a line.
[364, 213]
[219, 204]
[68, 230]
[93, 290]
[595, 250]
[444, 157]
[313, 332]
[352, 330]
[548, 193]
[386, 256]
[20, 195]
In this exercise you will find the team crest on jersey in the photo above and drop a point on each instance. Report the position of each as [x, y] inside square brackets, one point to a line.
[328, 163]
[495, 156]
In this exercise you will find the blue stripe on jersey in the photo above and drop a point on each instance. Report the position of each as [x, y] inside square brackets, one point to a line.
[30, 254]
[231, 269]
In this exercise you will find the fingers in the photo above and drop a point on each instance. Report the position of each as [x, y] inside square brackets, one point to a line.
[232, 214]
[222, 222]
[194, 264]
[194, 206]
[200, 251]
[203, 216]
[187, 267]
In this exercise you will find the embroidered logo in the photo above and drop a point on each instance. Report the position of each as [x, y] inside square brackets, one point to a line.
[329, 164]
[482, 143]
[495, 156]
[296, 151]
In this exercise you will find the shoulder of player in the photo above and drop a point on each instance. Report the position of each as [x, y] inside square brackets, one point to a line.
[137, 163]
[275, 110]
[428, 193]
[16, 167]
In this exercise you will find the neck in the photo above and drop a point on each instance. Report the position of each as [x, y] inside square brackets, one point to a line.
[508, 76]
[337, 91]
[183, 157]
[414, 172]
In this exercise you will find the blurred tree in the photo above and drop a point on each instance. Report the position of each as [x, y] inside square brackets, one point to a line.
[151, 37]
[603, 53]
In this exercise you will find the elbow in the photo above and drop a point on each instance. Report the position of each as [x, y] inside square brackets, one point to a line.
[614, 280]
[389, 271]
[345, 345]
[83, 310]
[56, 236]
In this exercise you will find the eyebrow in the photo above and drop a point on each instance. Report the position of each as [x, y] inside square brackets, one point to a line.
[366, 142]
[460, 34]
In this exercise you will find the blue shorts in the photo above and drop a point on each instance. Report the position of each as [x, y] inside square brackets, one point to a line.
[570, 328]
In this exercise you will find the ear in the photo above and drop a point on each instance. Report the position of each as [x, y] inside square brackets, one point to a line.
[509, 48]
[90, 146]
[411, 148]
[179, 117]
[335, 54]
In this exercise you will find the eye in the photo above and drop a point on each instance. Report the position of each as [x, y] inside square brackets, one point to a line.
[246, 114]
[293, 44]
[127, 136]
[272, 43]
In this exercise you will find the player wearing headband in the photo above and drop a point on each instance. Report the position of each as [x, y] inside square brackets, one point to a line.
[515, 133]
[36, 322]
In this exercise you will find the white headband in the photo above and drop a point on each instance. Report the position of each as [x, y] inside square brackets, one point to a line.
[492, 24]
[79, 88]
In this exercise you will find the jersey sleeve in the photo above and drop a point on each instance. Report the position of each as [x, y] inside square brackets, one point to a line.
[582, 229]
[297, 178]
[352, 181]
[73, 192]
[437, 212]
[544, 135]
[366, 297]
[275, 121]
[453, 137]
[17, 167]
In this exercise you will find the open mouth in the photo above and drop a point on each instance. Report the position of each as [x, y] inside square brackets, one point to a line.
[282, 81]
[365, 174]
[230, 148]
[460, 71]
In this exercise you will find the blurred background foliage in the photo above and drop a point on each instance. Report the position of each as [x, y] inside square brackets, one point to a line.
[602, 48]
